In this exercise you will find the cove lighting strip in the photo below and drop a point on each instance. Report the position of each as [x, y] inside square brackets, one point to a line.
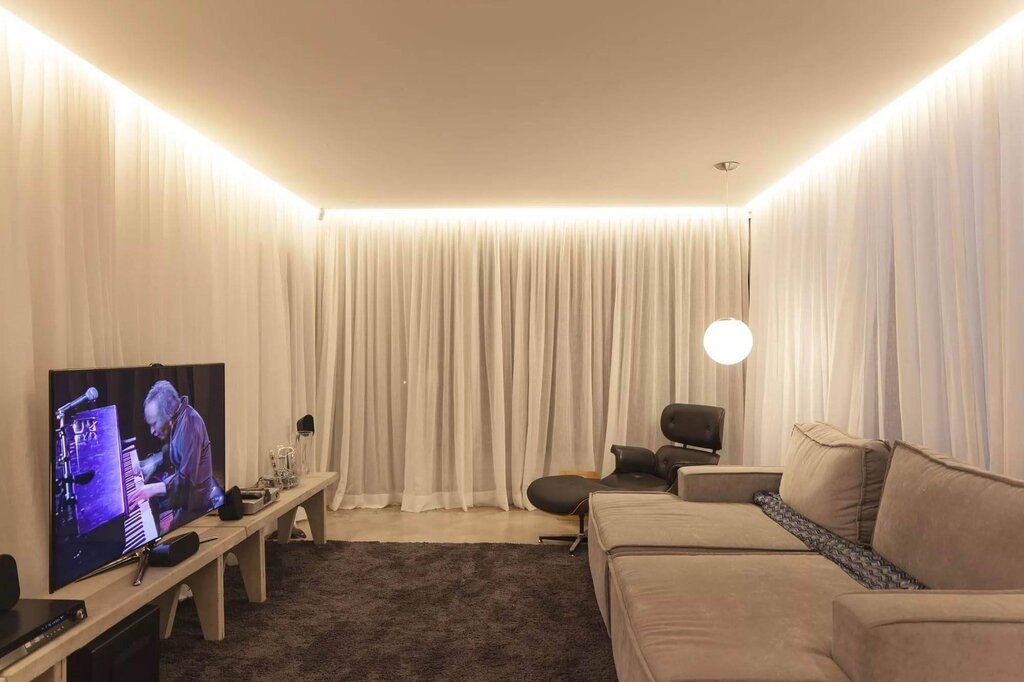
[873, 125]
[123, 96]
[531, 214]
[876, 123]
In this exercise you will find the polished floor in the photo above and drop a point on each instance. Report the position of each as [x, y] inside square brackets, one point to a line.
[479, 524]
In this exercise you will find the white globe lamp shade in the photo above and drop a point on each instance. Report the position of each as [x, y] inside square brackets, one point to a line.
[728, 341]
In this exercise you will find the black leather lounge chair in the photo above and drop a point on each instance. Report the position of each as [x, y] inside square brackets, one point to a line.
[695, 432]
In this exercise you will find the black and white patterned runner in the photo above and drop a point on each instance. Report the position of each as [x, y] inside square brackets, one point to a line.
[866, 567]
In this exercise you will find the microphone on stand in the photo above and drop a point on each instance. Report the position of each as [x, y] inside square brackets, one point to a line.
[90, 395]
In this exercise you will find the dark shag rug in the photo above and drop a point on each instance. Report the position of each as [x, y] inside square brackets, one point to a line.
[403, 611]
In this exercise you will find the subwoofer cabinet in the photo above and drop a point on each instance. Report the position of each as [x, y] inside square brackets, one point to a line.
[127, 652]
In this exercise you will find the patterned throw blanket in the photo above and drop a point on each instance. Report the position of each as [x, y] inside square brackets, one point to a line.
[860, 563]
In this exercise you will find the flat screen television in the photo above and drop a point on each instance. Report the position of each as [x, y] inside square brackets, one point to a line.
[135, 452]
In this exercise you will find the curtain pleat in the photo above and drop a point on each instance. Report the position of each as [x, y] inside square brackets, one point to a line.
[464, 354]
[885, 292]
[127, 240]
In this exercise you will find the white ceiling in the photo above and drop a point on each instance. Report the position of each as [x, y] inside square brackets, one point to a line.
[433, 103]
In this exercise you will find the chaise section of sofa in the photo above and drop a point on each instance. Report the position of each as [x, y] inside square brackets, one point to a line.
[725, 617]
[937, 636]
[792, 616]
[662, 523]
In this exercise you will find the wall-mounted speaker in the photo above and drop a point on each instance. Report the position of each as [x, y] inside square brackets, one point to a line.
[232, 508]
[10, 588]
[175, 550]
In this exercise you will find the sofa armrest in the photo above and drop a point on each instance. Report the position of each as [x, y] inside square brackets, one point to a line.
[727, 483]
[933, 636]
[631, 459]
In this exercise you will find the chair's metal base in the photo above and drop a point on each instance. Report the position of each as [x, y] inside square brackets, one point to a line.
[578, 539]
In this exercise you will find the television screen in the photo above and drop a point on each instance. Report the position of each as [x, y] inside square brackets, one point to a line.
[135, 453]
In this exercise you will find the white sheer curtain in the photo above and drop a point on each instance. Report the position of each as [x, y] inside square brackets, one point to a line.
[462, 354]
[887, 289]
[126, 239]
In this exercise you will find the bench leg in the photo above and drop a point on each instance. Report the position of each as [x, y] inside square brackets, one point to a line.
[315, 513]
[168, 604]
[284, 525]
[208, 590]
[252, 562]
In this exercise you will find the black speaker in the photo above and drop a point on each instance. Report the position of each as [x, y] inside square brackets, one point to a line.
[10, 589]
[305, 425]
[128, 651]
[172, 552]
[231, 510]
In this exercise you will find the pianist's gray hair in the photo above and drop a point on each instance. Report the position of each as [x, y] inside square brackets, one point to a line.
[166, 398]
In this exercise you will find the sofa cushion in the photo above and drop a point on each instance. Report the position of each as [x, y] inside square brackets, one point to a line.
[716, 617]
[660, 523]
[950, 525]
[628, 520]
[835, 479]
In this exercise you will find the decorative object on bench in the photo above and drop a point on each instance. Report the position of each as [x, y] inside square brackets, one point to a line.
[282, 463]
[636, 468]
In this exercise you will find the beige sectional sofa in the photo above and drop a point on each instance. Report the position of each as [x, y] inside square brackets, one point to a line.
[704, 586]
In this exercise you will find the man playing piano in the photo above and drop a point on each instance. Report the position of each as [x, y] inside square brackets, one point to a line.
[179, 478]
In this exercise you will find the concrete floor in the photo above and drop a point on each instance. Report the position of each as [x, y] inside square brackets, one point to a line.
[479, 524]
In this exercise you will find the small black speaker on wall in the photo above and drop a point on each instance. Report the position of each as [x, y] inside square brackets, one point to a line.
[175, 550]
[231, 510]
[10, 588]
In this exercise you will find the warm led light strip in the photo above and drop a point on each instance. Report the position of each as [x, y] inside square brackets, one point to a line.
[33, 37]
[594, 212]
[973, 55]
[123, 96]
[874, 124]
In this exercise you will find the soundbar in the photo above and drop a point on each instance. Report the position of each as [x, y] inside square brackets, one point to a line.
[33, 623]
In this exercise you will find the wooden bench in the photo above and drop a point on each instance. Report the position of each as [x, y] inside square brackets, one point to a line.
[110, 597]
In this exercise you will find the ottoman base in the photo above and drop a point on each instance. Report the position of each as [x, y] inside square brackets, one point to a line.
[579, 539]
[564, 495]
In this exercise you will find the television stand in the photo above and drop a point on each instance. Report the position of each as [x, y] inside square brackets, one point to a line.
[110, 598]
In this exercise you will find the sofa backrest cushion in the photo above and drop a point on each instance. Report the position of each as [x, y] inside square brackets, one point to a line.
[951, 526]
[834, 479]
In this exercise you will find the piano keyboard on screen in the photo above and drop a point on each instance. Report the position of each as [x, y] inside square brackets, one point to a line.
[139, 525]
